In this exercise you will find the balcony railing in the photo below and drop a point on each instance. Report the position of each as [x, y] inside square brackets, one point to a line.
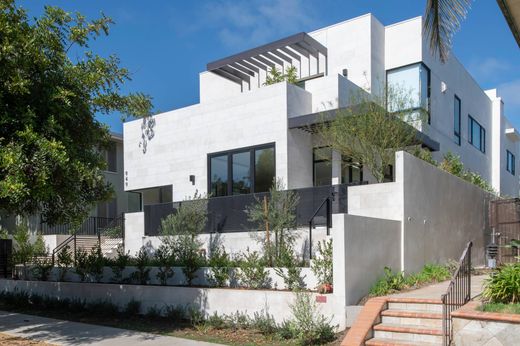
[227, 214]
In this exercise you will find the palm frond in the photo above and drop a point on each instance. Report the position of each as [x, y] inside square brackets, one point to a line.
[442, 19]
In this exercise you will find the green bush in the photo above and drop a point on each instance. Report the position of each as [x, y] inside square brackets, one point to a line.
[42, 269]
[215, 321]
[119, 264]
[264, 323]
[165, 261]
[153, 312]
[322, 265]
[219, 264]
[504, 285]
[142, 274]
[102, 308]
[175, 313]
[288, 269]
[252, 271]
[81, 267]
[64, 261]
[503, 308]
[133, 308]
[95, 264]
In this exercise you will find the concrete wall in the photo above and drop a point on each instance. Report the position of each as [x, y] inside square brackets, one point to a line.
[363, 246]
[208, 300]
[480, 332]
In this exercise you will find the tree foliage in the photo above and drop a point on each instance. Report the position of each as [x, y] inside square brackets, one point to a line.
[274, 75]
[369, 134]
[50, 162]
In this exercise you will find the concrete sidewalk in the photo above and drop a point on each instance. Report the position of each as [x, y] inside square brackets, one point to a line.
[61, 332]
[435, 291]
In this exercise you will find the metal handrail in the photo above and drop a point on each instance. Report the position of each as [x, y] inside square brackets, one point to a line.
[457, 294]
[326, 201]
[62, 245]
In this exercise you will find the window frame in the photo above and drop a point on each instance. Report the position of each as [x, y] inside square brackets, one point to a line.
[511, 169]
[457, 134]
[428, 90]
[482, 134]
[252, 166]
[320, 160]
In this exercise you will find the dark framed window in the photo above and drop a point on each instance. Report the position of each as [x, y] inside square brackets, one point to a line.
[351, 171]
[456, 119]
[510, 163]
[241, 171]
[322, 166]
[111, 157]
[414, 79]
[476, 134]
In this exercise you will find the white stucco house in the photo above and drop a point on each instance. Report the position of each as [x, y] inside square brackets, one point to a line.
[243, 133]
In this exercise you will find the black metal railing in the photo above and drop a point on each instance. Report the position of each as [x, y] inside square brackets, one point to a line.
[457, 294]
[91, 226]
[327, 203]
[227, 214]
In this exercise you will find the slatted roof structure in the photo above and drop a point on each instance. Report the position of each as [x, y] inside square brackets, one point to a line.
[245, 66]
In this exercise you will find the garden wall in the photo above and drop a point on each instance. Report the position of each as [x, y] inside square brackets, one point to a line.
[178, 279]
[208, 300]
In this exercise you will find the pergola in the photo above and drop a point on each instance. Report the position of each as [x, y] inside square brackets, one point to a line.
[295, 49]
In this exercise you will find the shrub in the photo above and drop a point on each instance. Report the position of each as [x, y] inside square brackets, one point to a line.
[153, 312]
[132, 308]
[308, 326]
[292, 274]
[252, 271]
[238, 320]
[64, 261]
[165, 260]
[95, 264]
[504, 285]
[119, 264]
[389, 283]
[195, 316]
[42, 269]
[102, 308]
[264, 323]
[81, 267]
[322, 265]
[175, 313]
[219, 263]
[142, 274]
[215, 321]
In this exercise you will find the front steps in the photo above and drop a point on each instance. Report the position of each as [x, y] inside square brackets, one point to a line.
[408, 321]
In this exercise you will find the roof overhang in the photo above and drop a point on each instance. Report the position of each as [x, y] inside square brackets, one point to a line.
[309, 123]
[242, 66]
[512, 134]
[511, 11]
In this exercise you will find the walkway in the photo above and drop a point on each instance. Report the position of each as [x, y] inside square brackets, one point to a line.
[437, 290]
[68, 333]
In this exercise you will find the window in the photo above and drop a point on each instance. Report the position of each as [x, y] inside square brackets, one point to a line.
[351, 171]
[241, 171]
[476, 134]
[456, 120]
[412, 81]
[510, 166]
[322, 166]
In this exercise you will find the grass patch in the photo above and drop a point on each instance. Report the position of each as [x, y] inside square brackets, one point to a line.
[500, 307]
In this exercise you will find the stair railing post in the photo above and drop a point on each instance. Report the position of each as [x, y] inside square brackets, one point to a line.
[75, 252]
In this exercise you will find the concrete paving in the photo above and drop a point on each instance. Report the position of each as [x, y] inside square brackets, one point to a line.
[69, 333]
[437, 290]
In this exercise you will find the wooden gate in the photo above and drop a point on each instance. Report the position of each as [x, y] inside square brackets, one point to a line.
[504, 216]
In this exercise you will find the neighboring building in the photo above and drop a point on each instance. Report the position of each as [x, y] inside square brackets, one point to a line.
[243, 133]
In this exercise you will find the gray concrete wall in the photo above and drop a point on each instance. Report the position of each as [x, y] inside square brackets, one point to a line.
[208, 300]
[441, 214]
[467, 332]
[363, 246]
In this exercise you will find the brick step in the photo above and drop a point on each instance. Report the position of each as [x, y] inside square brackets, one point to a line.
[408, 332]
[418, 318]
[396, 342]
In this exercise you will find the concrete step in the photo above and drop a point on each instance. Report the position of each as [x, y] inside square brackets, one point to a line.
[394, 342]
[410, 317]
[408, 333]
[415, 304]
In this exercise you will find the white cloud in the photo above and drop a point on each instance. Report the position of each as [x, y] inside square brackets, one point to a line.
[510, 93]
[488, 69]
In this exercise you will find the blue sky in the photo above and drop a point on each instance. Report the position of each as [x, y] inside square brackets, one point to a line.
[165, 44]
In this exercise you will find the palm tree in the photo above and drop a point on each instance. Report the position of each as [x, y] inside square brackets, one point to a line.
[442, 19]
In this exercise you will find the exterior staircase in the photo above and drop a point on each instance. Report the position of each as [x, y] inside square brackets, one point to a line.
[408, 321]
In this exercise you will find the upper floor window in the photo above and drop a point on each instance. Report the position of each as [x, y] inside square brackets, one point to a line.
[510, 165]
[241, 171]
[408, 88]
[456, 120]
[111, 158]
[476, 134]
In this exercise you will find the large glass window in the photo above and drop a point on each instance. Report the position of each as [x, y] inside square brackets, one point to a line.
[242, 171]
[322, 166]
[456, 119]
[408, 88]
[264, 169]
[219, 175]
[510, 167]
[351, 171]
[476, 134]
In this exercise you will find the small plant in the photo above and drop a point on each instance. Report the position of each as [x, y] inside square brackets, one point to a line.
[322, 265]
[308, 326]
[252, 271]
[142, 261]
[153, 312]
[175, 313]
[389, 283]
[102, 308]
[119, 264]
[292, 274]
[195, 316]
[95, 264]
[504, 285]
[264, 323]
[219, 263]
[64, 261]
[165, 260]
[81, 266]
[275, 75]
[133, 308]
[215, 321]
[42, 269]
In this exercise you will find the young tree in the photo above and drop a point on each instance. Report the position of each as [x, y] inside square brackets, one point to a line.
[50, 162]
[369, 134]
[274, 76]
